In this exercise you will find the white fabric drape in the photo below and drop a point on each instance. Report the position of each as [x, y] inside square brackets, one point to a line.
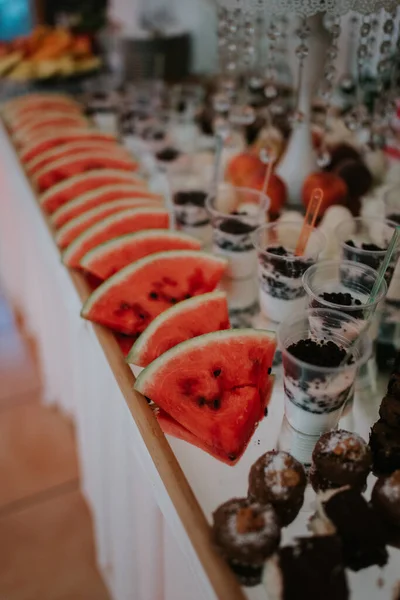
[142, 549]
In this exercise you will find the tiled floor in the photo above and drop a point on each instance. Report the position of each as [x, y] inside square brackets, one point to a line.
[46, 536]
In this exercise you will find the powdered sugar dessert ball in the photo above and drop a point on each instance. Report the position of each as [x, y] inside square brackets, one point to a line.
[279, 479]
[340, 458]
[246, 533]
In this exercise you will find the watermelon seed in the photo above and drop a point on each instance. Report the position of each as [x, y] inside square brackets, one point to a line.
[217, 372]
[201, 401]
[173, 300]
[142, 316]
[269, 371]
[187, 296]
[232, 457]
[153, 295]
[217, 403]
[125, 306]
[148, 400]
[265, 412]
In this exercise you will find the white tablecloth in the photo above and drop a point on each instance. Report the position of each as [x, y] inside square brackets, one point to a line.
[142, 549]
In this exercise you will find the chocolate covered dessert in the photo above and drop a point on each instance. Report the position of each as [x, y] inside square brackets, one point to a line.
[279, 479]
[340, 458]
[346, 513]
[389, 411]
[246, 534]
[384, 442]
[311, 569]
[386, 500]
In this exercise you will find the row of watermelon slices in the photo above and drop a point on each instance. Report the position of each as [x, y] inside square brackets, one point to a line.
[154, 287]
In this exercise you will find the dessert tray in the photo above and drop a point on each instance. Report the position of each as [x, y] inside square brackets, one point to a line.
[211, 481]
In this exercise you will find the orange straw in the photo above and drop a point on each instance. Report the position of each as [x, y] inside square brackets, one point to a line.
[309, 220]
[271, 161]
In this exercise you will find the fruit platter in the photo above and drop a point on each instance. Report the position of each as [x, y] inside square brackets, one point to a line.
[289, 445]
[46, 54]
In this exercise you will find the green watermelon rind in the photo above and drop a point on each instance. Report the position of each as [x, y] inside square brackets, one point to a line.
[71, 181]
[118, 205]
[101, 153]
[149, 373]
[119, 242]
[98, 227]
[174, 311]
[91, 194]
[130, 269]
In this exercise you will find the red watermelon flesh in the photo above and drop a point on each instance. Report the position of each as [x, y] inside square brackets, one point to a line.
[129, 300]
[26, 133]
[39, 117]
[44, 142]
[69, 148]
[125, 221]
[215, 385]
[188, 319]
[109, 258]
[16, 114]
[73, 187]
[68, 166]
[102, 195]
[70, 231]
[175, 429]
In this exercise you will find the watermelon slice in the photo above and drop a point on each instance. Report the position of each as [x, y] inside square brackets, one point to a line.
[173, 428]
[39, 117]
[185, 320]
[70, 231]
[33, 166]
[72, 187]
[129, 300]
[24, 134]
[68, 166]
[125, 221]
[215, 385]
[20, 107]
[110, 257]
[101, 195]
[48, 140]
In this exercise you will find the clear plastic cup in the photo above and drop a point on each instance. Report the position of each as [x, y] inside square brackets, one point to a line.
[188, 191]
[345, 277]
[365, 240]
[281, 290]
[235, 214]
[315, 396]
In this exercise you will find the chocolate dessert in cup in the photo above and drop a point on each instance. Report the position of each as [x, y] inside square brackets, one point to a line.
[188, 198]
[235, 214]
[365, 240]
[345, 286]
[280, 272]
[321, 353]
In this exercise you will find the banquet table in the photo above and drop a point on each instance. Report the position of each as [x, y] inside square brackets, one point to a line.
[151, 497]
[144, 512]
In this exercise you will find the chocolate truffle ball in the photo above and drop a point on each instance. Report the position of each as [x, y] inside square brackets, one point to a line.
[356, 176]
[386, 498]
[246, 534]
[384, 442]
[279, 479]
[389, 411]
[340, 458]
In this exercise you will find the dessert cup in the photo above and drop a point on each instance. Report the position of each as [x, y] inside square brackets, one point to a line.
[365, 240]
[235, 214]
[345, 286]
[280, 272]
[188, 191]
[315, 395]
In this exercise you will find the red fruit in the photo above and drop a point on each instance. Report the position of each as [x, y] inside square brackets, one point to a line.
[333, 188]
[247, 170]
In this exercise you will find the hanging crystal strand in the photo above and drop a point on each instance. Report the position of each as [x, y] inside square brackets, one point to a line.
[256, 80]
[271, 90]
[301, 52]
[386, 68]
[347, 82]
[241, 112]
[358, 117]
[327, 85]
[221, 100]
